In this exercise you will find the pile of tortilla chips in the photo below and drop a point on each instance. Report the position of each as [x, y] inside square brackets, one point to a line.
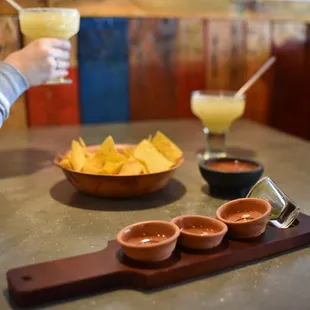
[152, 155]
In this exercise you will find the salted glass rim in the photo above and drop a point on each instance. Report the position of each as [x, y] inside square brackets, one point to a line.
[216, 93]
[48, 10]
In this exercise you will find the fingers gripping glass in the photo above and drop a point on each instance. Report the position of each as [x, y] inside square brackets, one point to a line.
[58, 23]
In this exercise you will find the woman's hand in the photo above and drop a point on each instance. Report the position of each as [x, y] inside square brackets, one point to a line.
[42, 60]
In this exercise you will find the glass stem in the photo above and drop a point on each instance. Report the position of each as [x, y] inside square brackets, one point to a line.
[215, 142]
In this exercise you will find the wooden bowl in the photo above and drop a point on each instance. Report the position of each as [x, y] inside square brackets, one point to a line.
[200, 232]
[245, 217]
[150, 241]
[230, 184]
[117, 186]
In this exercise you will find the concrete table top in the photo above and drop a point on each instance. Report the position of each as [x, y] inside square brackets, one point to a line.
[42, 217]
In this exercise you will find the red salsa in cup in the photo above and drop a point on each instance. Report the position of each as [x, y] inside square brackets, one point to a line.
[231, 166]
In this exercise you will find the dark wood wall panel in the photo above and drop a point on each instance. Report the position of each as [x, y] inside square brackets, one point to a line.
[191, 71]
[153, 74]
[258, 50]
[290, 109]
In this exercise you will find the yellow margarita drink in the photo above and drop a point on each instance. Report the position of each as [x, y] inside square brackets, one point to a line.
[49, 23]
[59, 23]
[217, 111]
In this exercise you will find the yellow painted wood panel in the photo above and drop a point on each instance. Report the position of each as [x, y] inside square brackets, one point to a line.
[158, 8]
[225, 9]
[6, 9]
[10, 42]
[190, 40]
[281, 10]
[258, 45]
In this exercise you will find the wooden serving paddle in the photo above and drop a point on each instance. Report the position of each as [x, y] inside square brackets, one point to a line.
[110, 269]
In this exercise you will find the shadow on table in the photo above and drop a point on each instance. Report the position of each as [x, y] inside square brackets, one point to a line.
[66, 194]
[26, 161]
[224, 196]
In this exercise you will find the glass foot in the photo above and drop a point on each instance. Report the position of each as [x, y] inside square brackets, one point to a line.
[205, 155]
[60, 81]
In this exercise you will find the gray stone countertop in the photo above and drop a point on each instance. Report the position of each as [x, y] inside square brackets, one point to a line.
[42, 217]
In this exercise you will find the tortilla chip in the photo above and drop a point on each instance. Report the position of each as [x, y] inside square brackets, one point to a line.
[165, 146]
[108, 152]
[90, 168]
[151, 157]
[81, 141]
[144, 168]
[108, 147]
[128, 152]
[93, 165]
[89, 155]
[116, 158]
[65, 163]
[154, 154]
[77, 156]
[69, 155]
[112, 167]
[132, 167]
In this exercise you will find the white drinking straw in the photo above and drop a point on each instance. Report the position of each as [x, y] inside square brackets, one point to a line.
[15, 5]
[256, 76]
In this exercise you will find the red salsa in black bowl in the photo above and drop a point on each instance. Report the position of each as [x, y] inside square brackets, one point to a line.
[230, 177]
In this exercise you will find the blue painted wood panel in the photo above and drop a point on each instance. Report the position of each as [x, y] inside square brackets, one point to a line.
[103, 68]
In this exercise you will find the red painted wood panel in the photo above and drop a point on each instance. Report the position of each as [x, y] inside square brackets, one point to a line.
[54, 104]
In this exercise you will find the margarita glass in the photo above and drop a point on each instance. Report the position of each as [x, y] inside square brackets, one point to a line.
[216, 111]
[58, 23]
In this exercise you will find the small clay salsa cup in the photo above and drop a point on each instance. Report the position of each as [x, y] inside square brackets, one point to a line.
[150, 241]
[245, 217]
[230, 177]
[200, 232]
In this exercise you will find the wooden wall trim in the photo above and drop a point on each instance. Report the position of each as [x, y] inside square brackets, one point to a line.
[274, 10]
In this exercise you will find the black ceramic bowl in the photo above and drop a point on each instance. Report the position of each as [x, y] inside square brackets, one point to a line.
[230, 184]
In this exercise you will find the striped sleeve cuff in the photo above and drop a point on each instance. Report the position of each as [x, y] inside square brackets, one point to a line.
[12, 85]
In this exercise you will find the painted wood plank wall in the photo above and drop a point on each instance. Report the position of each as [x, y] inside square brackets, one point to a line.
[142, 68]
[9, 43]
[275, 10]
